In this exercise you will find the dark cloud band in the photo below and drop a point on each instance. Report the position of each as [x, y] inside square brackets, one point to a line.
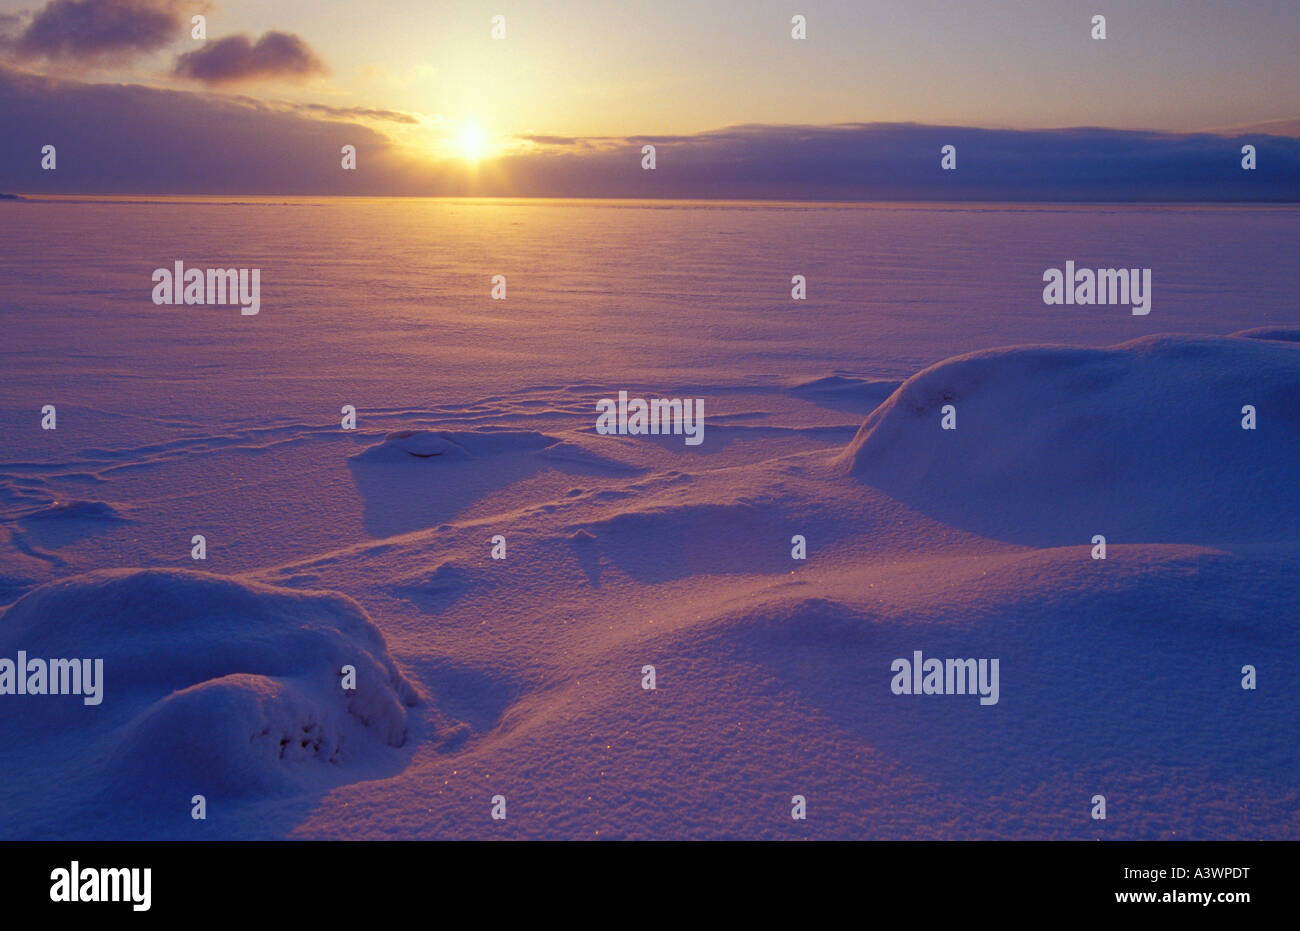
[131, 139]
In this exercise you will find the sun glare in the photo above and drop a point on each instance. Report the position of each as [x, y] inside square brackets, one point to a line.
[471, 142]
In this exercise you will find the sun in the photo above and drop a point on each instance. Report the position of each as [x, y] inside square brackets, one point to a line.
[472, 142]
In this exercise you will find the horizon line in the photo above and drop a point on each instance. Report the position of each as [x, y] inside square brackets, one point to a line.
[33, 196]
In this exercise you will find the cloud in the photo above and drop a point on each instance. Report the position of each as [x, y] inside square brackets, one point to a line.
[98, 29]
[358, 113]
[1268, 127]
[375, 114]
[115, 138]
[124, 138]
[236, 59]
[559, 141]
[901, 162]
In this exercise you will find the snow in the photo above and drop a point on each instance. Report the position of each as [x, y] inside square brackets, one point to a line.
[1142, 442]
[212, 685]
[522, 676]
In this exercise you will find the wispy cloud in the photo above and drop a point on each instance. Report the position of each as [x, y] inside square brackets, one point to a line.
[358, 113]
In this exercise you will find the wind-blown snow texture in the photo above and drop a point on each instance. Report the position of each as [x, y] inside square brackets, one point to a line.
[521, 677]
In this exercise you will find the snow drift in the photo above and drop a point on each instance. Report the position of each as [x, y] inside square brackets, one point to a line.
[1142, 442]
[1288, 333]
[218, 685]
[430, 444]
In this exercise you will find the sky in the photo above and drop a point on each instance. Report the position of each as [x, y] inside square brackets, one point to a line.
[418, 84]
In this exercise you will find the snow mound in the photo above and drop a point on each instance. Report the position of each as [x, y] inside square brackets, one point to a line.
[1286, 333]
[224, 686]
[416, 479]
[1142, 442]
[427, 444]
[845, 390]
